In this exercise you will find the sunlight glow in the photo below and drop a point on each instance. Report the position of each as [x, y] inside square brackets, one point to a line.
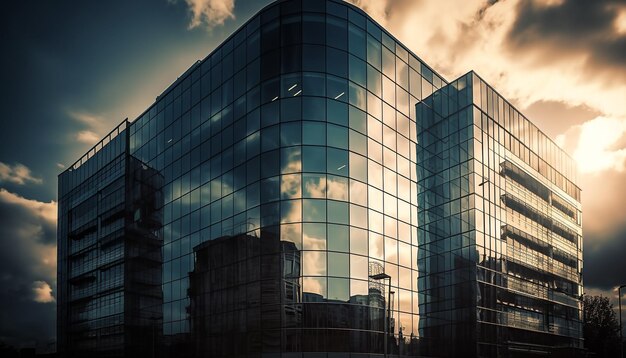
[620, 21]
[595, 150]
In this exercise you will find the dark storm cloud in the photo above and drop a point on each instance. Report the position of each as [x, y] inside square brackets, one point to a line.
[604, 229]
[605, 261]
[27, 262]
[570, 28]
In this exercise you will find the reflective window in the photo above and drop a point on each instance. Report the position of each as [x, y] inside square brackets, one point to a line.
[337, 162]
[357, 41]
[314, 185]
[313, 133]
[313, 159]
[313, 29]
[280, 157]
[314, 210]
[336, 32]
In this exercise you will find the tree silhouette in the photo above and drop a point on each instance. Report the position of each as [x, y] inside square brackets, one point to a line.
[601, 327]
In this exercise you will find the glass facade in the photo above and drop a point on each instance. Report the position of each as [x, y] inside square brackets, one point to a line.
[286, 171]
[109, 252]
[500, 238]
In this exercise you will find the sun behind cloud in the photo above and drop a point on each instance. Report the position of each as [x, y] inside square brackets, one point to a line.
[595, 151]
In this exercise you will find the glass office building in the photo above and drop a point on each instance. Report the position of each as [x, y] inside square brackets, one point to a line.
[283, 175]
[109, 252]
[500, 245]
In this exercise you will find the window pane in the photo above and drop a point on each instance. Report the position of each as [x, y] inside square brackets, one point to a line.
[291, 30]
[313, 109]
[290, 186]
[358, 241]
[376, 246]
[338, 238]
[337, 112]
[373, 52]
[314, 186]
[337, 136]
[358, 120]
[292, 233]
[313, 286]
[314, 210]
[337, 188]
[358, 142]
[313, 159]
[290, 160]
[314, 236]
[336, 62]
[402, 73]
[337, 162]
[314, 133]
[374, 81]
[338, 264]
[389, 63]
[338, 289]
[314, 263]
[269, 138]
[356, 40]
[358, 70]
[358, 195]
[314, 84]
[336, 32]
[314, 29]
[337, 88]
[291, 211]
[338, 212]
[358, 96]
[358, 167]
[290, 134]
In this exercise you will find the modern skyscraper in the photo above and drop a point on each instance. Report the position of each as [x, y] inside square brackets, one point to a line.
[109, 249]
[267, 203]
[500, 238]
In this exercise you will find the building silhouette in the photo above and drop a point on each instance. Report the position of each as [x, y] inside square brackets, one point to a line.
[245, 212]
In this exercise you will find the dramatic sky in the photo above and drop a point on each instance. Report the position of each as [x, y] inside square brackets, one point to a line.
[72, 70]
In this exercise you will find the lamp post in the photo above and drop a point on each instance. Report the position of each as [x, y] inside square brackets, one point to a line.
[384, 276]
[619, 304]
[153, 321]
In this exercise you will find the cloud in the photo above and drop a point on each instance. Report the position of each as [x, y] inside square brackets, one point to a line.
[46, 212]
[594, 155]
[530, 51]
[88, 119]
[27, 269]
[87, 137]
[42, 292]
[17, 174]
[588, 28]
[379, 10]
[210, 13]
[94, 126]
[620, 21]
[604, 264]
